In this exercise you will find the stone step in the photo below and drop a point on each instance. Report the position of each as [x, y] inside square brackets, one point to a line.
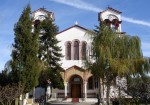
[30, 101]
[35, 104]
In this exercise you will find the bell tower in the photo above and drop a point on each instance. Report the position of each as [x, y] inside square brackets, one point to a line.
[112, 18]
[40, 14]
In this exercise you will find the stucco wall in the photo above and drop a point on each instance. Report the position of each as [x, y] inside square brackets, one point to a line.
[71, 35]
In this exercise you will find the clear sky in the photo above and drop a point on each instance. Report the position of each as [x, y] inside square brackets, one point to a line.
[135, 15]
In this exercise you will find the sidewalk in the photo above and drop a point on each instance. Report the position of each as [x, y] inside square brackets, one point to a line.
[69, 103]
[89, 101]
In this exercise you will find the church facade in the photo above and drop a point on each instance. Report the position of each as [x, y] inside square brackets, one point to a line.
[78, 81]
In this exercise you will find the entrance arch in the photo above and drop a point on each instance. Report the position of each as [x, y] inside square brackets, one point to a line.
[76, 86]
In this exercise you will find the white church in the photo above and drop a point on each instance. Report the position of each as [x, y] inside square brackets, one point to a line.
[78, 81]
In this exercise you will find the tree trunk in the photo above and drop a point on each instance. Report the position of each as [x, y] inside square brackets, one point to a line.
[99, 91]
[16, 101]
[107, 94]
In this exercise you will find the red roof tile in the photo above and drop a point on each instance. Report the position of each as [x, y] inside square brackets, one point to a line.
[41, 9]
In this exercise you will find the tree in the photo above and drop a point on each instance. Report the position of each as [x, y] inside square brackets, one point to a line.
[8, 93]
[49, 53]
[5, 78]
[115, 56]
[138, 88]
[25, 62]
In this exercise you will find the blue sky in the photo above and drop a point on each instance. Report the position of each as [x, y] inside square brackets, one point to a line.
[135, 17]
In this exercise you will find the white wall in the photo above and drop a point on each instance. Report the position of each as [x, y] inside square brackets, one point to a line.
[41, 12]
[70, 35]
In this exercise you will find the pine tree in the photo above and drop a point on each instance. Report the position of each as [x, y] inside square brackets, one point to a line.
[25, 61]
[49, 53]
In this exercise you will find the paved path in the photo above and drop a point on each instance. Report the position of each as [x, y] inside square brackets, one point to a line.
[78, 103]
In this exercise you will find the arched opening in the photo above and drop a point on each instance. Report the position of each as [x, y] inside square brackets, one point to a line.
[68, 51]
[76, 50]
[107, 22]
[115, 23]
[84, 51]
[36, 23]
[76, 84]
[90, 82]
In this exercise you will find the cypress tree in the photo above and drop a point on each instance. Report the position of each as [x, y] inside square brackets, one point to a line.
[49, 53]
[24, 56]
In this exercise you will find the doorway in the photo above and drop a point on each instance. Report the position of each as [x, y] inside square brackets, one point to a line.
[76, 90]
[76, 86]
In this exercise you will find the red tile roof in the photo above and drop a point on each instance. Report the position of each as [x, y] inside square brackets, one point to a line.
[114, 10]
[41, 9]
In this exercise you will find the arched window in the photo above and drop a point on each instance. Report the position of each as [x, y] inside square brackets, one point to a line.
[76, 50]
[68, 54]
[83, 51]
[36, 23]
[90, 83]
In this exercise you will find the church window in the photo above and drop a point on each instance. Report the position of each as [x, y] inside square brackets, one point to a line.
[76, 50]
[83, 51]
[68, 57]
[76, 79]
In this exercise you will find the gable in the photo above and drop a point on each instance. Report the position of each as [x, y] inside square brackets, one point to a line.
[75, 26]
[72, 33]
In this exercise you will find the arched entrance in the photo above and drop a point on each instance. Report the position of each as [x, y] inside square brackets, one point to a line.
[76, 84]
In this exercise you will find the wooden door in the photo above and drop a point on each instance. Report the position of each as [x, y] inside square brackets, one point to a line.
[76, 90]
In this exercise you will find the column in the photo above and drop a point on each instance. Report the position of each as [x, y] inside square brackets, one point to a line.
[65, 84]
[85, 89]
[72, 50]
[48, 92]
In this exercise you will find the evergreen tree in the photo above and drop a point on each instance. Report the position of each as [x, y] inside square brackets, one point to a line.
[25, 63]
[49, 53]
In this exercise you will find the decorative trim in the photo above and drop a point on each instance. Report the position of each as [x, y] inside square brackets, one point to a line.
[76, 67]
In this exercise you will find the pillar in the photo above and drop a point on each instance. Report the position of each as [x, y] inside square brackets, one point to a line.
[48, 92]
[72, 51]
[85, 89]
[65, 84]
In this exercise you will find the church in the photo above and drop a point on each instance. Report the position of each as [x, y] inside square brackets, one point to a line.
[78, 81]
